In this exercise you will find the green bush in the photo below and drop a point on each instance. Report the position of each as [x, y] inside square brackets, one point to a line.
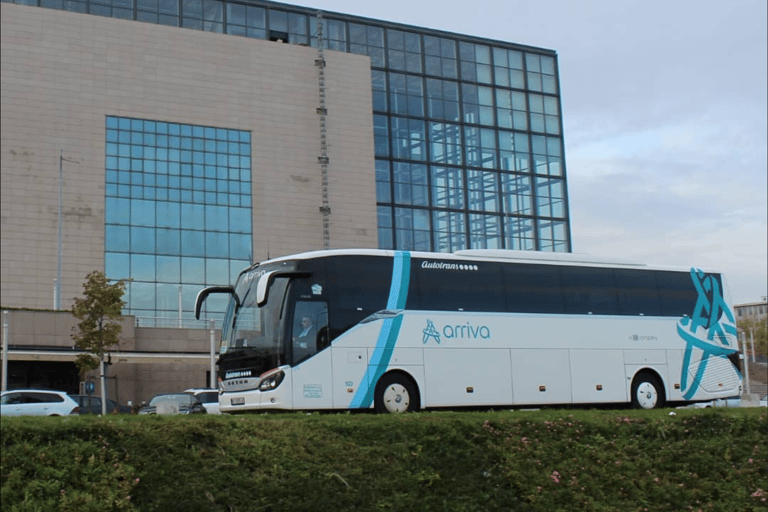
[709, 460]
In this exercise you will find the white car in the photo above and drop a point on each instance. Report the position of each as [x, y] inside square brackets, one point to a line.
[209, 397]
[37, 402]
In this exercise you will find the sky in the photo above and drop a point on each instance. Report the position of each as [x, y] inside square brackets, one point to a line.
[664, 118]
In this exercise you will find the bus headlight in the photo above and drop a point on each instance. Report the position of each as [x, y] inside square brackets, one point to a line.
[270, 381]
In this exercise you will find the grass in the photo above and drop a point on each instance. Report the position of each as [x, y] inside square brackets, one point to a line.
[601, 460]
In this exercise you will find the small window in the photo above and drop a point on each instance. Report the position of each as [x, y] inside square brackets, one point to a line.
[208, 397]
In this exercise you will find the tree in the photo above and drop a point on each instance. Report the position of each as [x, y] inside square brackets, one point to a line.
[99, 312]
[756, 329]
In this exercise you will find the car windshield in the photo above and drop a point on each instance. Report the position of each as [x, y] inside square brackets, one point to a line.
[180, 399]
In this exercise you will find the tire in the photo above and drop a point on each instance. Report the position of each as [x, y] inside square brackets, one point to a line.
[647, 392]
[396, 393]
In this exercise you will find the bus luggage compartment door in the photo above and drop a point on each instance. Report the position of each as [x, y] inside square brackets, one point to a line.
[541, 376]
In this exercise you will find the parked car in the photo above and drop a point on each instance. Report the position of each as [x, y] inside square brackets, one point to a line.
[209, 397]
[94, 406]
[37, 402]
[173, 403]
[764, 401]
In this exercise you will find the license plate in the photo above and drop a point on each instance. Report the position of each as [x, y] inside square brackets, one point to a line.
[237, 401]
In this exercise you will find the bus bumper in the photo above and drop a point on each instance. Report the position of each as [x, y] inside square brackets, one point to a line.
[255, 400]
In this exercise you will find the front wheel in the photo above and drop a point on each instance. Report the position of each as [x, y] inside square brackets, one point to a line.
[396, 393]
[647, 392]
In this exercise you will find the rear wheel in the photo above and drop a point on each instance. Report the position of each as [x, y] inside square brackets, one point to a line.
[647, 392]
[396, 393]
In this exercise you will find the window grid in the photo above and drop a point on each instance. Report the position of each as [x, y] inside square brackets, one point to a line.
[443, 99]
[410, 183]
[177, 211]
[541, 73]
[475, 62]
[367, 40]
[447, 187]
[449, 231]
[508, 68]
[511, 109]
[514, 151]
[406, 94]
[547, 155]
[445, 143]
[404, 51]
[440, 56]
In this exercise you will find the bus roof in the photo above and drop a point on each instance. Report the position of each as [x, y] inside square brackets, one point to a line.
[500, 255]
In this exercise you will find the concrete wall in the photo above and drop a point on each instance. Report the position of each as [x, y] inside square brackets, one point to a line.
[63, 72]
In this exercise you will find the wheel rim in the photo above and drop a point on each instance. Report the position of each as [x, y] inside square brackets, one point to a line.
[647, 396]
[396, 398]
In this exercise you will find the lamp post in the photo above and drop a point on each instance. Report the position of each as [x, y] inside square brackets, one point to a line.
[57, 295]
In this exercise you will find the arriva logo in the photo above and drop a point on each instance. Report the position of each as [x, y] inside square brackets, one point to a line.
[468, 331]
[430, 332]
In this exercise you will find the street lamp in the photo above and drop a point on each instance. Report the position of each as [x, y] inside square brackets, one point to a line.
[57, 294]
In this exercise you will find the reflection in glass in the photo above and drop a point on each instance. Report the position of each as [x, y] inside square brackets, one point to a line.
[170, 216]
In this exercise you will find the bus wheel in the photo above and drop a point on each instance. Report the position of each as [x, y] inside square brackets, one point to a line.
[647, 392]
[396, 393]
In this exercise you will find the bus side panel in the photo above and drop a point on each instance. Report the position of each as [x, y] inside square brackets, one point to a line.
[541, 376]
[349, 369]
[312, 383]
[598, 376]
[467, 377]
[675, 359]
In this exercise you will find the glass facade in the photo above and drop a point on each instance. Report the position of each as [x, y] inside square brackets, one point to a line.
[177, 213]
[467, 132]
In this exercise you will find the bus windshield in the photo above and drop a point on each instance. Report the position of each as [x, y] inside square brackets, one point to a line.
[256, 332]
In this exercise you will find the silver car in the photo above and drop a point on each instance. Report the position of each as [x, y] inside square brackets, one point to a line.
[37, 402]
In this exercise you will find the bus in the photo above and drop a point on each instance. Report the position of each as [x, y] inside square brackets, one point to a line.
[399, 331]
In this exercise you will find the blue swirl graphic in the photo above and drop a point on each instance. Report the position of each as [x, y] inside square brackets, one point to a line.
[706, 329]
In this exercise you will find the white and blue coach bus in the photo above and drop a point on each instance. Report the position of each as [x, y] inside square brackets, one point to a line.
[401, 331]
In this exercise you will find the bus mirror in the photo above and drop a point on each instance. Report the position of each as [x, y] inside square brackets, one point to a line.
[205, 292]
[266, 280]
[262, 287]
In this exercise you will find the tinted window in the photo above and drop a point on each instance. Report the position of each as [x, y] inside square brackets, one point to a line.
[454, 285]
[42, 398]
[359, 282]
[589, 290]
[208, 397]
[678, 294]
[638, 293]
[533, 289]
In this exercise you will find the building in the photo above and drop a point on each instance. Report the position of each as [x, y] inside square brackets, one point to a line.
[751, 311]
[172, 143]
